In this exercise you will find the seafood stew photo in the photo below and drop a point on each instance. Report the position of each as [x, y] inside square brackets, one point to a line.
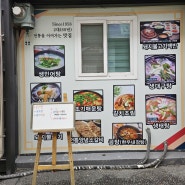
[161, 108]
[125, 102]
[127, 131]
[88, 98]
[160, 69]
[124, 97]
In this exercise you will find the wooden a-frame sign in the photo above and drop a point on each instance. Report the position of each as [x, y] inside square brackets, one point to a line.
[60, 116]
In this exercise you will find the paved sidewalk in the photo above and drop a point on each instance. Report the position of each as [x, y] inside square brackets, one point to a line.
[162, 175]
[171, 170]
[103, 158]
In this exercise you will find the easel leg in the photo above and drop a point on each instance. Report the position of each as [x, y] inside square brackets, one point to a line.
[54, 143]
[70, 158]
[37, 159]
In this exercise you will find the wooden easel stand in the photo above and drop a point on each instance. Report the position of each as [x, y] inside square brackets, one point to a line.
[54, 166]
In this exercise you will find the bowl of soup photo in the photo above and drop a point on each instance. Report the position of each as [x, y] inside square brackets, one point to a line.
[159, 28]
[163, 36]
[128, 132]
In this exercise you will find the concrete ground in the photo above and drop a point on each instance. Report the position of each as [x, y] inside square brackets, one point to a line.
[171, 170]
[162, 175]
[104, 158]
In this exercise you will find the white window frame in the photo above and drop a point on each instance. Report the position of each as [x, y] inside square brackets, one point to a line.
[132, 20]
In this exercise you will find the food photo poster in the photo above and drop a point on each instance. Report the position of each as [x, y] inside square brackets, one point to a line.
[49, 60]
[127, 131]
[87, 128]
[124, 100]
[160, 32]
[160, 71]
[45, 92]
[88, 100]
[161, 110]
[87, 132]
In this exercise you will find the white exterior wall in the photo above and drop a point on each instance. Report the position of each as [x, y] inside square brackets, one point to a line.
[26, 76]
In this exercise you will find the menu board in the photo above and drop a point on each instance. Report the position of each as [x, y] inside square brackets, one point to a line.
[53, 116]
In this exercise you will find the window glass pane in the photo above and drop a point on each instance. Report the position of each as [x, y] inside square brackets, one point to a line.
[119, 47]
[92, 48]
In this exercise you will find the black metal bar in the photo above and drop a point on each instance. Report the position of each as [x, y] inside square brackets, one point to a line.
[95, 3]
[10, 89]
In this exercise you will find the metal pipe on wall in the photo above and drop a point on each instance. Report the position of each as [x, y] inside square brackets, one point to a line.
[1, 103]
[10, 88]
[1, 97]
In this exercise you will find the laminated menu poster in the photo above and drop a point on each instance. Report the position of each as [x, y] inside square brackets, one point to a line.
[87, 131]
[49, 61]
[45, 92]
[127, 134]
[160, 71]
[55, 116]
[160, 32]
[124, 100]
[161, 110]
[88, 100]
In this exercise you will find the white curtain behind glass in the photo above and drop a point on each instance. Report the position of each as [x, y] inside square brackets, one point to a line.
[92, 48]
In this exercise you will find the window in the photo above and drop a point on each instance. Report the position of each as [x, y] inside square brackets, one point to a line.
[106, 47]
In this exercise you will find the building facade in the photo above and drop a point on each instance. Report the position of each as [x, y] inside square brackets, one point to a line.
[122, 66]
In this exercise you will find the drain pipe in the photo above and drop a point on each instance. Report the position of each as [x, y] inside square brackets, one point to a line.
[145, 159]
[153, 164]
[1, 97]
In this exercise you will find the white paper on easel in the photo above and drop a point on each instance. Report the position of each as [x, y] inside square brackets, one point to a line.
[53, 116]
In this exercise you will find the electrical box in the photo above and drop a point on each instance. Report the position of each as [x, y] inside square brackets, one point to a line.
[23, 14]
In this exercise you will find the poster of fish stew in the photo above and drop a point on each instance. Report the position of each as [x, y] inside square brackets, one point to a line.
[88, 100]
[123, 100]
[161, 110]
